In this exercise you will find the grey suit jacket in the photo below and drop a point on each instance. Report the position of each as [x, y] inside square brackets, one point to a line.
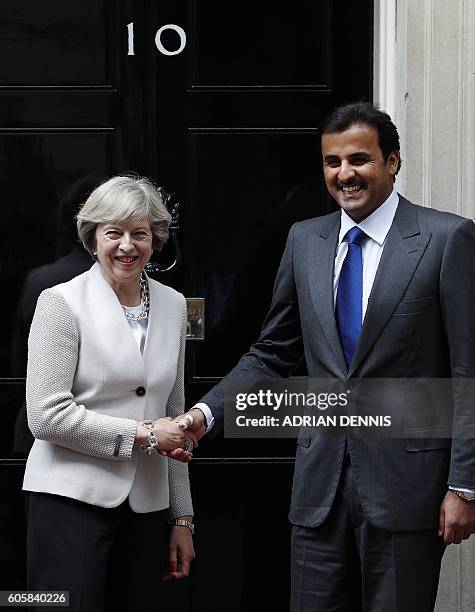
[88, 385]
[419, 323]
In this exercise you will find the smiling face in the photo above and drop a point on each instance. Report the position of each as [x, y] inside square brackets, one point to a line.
[356, 174]
[123, 249]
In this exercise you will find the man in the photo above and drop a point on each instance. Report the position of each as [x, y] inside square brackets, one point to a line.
[381, 289]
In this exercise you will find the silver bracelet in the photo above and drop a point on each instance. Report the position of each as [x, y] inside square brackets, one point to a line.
[183, 523]
[152, 439]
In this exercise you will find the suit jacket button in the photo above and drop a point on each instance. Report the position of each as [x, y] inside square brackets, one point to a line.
[140, 391]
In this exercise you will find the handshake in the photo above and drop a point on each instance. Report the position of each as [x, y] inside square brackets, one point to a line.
[176, 437]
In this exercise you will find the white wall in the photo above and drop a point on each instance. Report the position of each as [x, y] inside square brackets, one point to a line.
[425, 79]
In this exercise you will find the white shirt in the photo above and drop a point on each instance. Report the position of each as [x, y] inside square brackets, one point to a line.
[376, 226]
[139, 328]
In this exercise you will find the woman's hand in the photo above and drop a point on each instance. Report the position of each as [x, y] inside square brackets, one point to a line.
[183, 454]
[169, 435]
[181, 551]
[171, 439]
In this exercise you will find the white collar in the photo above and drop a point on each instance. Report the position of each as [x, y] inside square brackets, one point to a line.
[377, 224]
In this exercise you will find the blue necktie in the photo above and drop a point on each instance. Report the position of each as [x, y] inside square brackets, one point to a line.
[349, 297]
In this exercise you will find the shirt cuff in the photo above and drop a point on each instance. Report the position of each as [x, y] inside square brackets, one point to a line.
[208, 415]
[462, 489]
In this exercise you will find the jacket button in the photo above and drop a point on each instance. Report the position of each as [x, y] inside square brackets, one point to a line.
[140, 391]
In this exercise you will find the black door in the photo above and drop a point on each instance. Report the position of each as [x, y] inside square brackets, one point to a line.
[219, 103]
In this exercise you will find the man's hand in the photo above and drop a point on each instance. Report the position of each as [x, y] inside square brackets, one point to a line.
[456, 519]
[181, 551]
[197, 427]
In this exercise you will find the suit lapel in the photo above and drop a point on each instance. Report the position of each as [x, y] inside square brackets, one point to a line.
[402, 252]
[321, 265]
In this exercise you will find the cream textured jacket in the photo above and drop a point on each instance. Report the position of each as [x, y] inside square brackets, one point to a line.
[88, 385]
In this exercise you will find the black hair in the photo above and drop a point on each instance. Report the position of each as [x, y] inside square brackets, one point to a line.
[344, 117]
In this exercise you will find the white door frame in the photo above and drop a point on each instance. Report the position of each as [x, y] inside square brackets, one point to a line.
[389, 67]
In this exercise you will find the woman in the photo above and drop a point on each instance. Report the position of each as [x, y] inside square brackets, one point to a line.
[104, 381]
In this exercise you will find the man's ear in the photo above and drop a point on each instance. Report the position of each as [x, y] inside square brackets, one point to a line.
[394, 162]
